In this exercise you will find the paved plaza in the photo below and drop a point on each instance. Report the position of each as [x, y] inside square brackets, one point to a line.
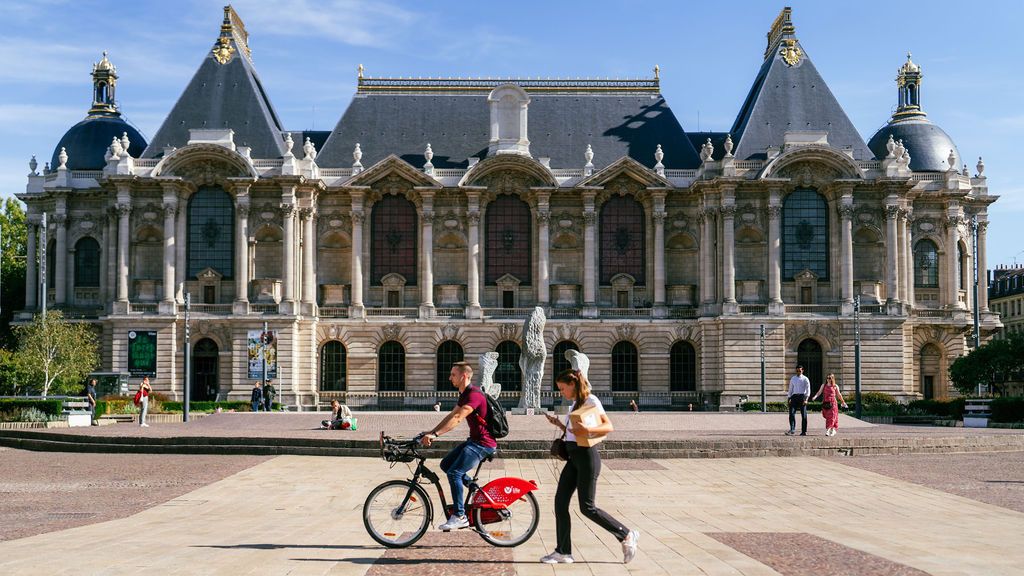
[212, 514]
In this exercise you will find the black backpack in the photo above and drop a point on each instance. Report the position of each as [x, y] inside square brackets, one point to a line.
[496, 423]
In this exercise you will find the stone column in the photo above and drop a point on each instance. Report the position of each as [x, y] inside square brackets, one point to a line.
[589, 255]
[242, 250]
[543, 249]
[170, 207]
[908, 248]
[892, 212]
[110, 247]
[982, 270]
[901, 233]
[729, 305]
[60, 266]
[708, 292]
[659, 311]
[308, 260]
[427, 256]
[356, 309]
[473, 263]
[775, 305]
[288, 260]
[31, 278]
[952, 261]
[846, 239]
[124, 210]
[181, 265]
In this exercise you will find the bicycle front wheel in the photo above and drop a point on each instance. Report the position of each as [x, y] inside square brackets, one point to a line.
[511, 526]
[397, 513]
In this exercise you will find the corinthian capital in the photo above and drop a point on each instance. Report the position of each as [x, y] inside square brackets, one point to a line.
[543, 216]
[357, 217]
[892, 211]
[845, 211]
[123, 209]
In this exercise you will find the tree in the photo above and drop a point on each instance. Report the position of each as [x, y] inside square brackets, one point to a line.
[994, 363]
[55, 355]
[12, 267]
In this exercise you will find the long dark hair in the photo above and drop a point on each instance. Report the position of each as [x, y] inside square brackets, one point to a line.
[579, 382]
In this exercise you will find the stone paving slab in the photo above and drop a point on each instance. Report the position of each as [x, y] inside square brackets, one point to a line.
[306, 520]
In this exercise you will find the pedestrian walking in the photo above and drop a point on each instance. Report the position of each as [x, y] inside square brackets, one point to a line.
[257, 397]
[799, 393]
[90, 393]
[143, 397]
[269, 393]
[829, 409]
[580, 473]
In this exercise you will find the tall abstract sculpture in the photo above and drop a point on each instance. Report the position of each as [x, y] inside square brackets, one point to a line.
[578, 361]
[488, 364]
[531, 362]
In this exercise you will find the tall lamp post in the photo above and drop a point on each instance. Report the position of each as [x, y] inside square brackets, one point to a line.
[42, 266]
[856, 350]
[974, 301]
[188, 356]
[764, 396]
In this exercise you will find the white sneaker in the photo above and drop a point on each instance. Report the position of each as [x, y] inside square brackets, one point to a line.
[629, 546]
[556, 558]
[454, 523]
[144, 425]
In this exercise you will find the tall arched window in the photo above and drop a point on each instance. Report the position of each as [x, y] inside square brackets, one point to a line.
[333, 371]
[622, 239]
[558, 361]
[682, 367]
[393, 239]
[962, 267]
[808, 355]
[804, 234]
[508, 373]
[926, 264]
[448, 353]
[87, 263]
[625, 367]
[51, 264]
[391, 367]
[211, 232]
[507, 244]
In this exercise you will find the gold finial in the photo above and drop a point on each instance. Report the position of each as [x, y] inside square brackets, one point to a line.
[223, 50]
[657, 70]
[360, 70]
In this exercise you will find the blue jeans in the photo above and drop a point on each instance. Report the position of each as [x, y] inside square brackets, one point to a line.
[457, 463]
[796, 402]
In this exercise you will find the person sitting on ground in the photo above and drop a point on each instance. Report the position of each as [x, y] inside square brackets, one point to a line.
[340, 414]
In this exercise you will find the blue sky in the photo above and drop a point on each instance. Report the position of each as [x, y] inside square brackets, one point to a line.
[307, 53]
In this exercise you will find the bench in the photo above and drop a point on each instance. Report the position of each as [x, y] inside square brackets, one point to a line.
[77, 411]
[977, 412]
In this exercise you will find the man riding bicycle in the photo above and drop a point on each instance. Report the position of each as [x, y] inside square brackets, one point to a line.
[467, 455]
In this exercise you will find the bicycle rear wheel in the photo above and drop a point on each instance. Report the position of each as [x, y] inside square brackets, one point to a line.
[397, 513]
[511, 526]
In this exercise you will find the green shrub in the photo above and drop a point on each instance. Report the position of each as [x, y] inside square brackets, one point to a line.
[210, 406]
[116, 404]
[1008, 409]
[779, 407]
[13, 407]
[34, 414]
[952, 408]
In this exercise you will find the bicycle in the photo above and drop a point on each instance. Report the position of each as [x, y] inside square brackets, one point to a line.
[397, 513]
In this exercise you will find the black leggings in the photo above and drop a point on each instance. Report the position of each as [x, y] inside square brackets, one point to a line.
[580, 475]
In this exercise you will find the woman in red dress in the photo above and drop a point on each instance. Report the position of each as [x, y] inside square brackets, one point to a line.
[829, 409]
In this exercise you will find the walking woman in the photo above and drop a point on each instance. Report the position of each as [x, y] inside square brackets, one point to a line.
[580, 474]
[144, 390]
[829, 409]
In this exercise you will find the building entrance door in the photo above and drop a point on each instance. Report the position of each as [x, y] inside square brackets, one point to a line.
[205, 361]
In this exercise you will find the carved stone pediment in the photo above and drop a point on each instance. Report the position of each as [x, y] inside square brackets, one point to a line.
[807, 276]
[209, 275]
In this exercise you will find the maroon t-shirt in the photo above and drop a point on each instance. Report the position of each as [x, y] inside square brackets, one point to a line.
[474, 398]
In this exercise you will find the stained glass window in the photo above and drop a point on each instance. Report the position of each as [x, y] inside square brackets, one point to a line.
[622, 239]
[211, 232]
[804, 234]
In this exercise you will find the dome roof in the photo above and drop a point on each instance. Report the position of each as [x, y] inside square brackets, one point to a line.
[927, 144]
[87, 142]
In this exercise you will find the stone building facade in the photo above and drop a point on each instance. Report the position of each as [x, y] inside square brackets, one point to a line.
[427, 225]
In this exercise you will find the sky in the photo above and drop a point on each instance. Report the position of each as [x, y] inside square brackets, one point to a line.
[307, 53]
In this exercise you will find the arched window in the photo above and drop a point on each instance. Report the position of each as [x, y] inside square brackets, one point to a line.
[211, 232]
[622, 239]
[87, 263]
[393, 241]
[962, 267]
[391, 367]
[804, 234]
[51, 265]
[508, 373]
[333, 371]
[808, 355]
[507, 244]
[625, 368]
[926, 264]
[682, 368]
[558, 361]
[448, 353]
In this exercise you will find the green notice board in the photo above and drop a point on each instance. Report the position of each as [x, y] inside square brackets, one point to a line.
[142, 353]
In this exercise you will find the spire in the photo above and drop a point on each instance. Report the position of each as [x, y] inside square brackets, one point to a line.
[232, 29]
[908, 82]
[104, 80]
[783, 32]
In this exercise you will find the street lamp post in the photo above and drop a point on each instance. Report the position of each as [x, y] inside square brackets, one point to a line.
[974, 301]
[42, 266]
[764, 396]
[188, 356]
[856, 350]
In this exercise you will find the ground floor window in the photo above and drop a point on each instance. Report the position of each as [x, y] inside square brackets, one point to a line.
[625, 368]
[683, 367]
[448, 353]
[391, 367]
[332, 367]
[508, 373]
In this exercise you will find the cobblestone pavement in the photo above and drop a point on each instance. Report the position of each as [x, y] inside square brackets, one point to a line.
[909, 514]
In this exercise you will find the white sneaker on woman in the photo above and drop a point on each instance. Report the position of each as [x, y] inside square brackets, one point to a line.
[629, 546]
[556, 558]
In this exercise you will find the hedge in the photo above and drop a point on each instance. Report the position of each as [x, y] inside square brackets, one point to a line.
[1007, 409]
[779, 407]
[209, 406]
[48, 407]
[952, 409]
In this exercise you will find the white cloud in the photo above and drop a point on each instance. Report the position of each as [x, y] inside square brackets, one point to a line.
[378, 24]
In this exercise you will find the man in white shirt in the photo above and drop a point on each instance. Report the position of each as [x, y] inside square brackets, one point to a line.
[799, 392]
